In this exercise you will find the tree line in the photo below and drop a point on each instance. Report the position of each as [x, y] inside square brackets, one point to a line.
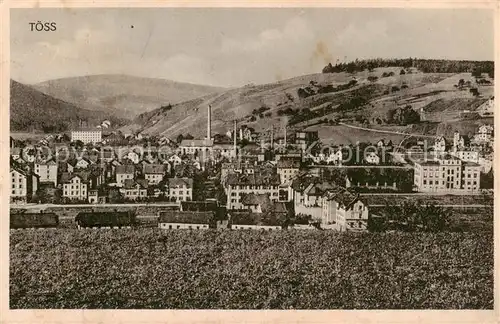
[424, 65]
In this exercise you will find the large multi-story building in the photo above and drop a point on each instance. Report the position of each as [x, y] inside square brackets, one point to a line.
[23, 184]
[446, 174]
[47, 171]
[87, 135]
[259, 182]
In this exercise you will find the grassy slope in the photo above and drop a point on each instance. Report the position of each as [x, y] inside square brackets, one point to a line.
[123, 95]
[423, 90]
[31, 109]
[249, 270]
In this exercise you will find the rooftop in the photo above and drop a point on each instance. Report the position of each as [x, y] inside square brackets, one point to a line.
[259, 178]
[180, 182]
[260, 219]
[186, 217]
[154, 168]
[125, 169]
[87, 129]
[343, 197]
[197, 142]
[132, 184]
[99, 219]
[288, 164]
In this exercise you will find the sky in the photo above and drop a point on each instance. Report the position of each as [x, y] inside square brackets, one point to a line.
[232, 47]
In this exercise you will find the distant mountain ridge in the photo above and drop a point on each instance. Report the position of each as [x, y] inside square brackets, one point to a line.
[32, 110]
[122, 95]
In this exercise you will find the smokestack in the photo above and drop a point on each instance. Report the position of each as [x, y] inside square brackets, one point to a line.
[209, 123]
[272, 137]
[235, 150]
[284, 129]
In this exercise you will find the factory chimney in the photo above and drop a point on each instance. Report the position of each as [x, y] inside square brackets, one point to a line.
[284, 128]
[234, 139]
[209, 123]
[272, 137]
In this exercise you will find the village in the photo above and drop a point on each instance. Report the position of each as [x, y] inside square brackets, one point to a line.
[247, 184]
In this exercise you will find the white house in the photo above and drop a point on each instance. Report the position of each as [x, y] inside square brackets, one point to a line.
[335, 157]
[23, 185]
[47, 171]
[193, 220]
[154, 173]
[175, 160]
[124, 172]
[344, 211]
[82, 163]
[180, 189]
[440, 144]
[75, 187]
[485, 133]
[372, 158]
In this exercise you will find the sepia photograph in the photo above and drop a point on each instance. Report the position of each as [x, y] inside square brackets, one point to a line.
[251, 158]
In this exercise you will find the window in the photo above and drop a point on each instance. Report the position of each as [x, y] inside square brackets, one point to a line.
[425, 182]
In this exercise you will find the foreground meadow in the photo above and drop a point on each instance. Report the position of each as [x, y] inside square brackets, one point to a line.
[145, 268]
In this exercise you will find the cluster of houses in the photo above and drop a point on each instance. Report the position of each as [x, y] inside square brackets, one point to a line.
[262, 189]
[86, 179]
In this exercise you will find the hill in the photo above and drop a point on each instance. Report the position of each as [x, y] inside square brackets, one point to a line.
[122, 95]
[313, 101]
[32, 110]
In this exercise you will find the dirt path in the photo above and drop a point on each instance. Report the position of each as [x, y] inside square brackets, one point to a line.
[385, 131]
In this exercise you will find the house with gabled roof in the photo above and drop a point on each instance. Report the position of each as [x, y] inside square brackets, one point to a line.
[124, 172]
[180, 189]
[308, 195]
[440, 144]
[47, 171]
[15, 153]
[75, 186]
[82, 163]
[245, 219]
[344, 210]
[153, 173]
[176, 219]
[135, 189]
[23, 183]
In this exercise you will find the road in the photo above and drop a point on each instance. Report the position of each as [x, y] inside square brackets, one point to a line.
[43, 206]
[385, 132]
[436, 194]
[362, 166]
[451, 206]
